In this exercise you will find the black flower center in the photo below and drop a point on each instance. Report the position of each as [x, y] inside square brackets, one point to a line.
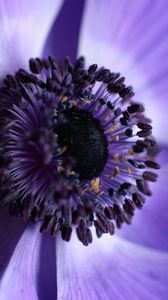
[85, 141]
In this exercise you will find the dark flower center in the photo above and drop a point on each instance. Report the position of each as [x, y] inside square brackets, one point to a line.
[85, 141]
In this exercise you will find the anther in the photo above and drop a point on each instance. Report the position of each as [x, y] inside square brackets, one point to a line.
[129, 207]
[92, 69]
[109, 212]
[136, 164]
[144, 133]
[135, 108]
[124, 121]
[143, 187]
[110, 105]
[111, 192]
[152, 164]
[150, 176]
[66, 232]
[144, 126]
[128, 132]
[138, 200]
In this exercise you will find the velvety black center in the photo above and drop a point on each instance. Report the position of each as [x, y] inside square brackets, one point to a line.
[85, 141]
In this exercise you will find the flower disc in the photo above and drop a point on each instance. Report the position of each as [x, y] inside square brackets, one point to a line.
[76, 150]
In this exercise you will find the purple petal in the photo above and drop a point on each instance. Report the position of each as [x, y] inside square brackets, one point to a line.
[10, 231]
[24, 26]
[149, 226]
[47, 288]
[131, 37]
[19, 280]
[110, 268]
[63, 38]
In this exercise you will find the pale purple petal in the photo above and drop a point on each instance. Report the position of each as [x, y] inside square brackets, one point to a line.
[24, 26]
[19, 280]
[14, 239]
[149, 226]
[110, 268]
[131, 37]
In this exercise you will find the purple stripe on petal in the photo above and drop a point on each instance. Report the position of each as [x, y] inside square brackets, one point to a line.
[63, 38]
[10, 231]
[46, 284]
[24, 26]
[110, 268]
[19, 280]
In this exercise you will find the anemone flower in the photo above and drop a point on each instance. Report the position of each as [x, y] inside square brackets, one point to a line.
[77, 150]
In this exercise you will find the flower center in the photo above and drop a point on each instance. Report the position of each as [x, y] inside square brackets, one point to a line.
[61, 125]
[84, 140]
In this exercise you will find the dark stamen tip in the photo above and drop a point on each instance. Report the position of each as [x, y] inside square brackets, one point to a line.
[150, 176]
[152, 164]
[66, 232]
[135, 108]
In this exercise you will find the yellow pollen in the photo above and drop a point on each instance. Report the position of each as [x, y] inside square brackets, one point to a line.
[131, 152]
[116, 157]
[123, 159]
[64, 99]
[60, 169]
[116, 172]
[87, 100]
[95, 184]
[112, 128]
[63, 149]
[128, 169]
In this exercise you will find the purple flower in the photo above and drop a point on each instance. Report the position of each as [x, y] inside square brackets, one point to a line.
[47, 116]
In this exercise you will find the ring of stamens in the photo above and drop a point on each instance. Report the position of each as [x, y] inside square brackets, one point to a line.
[75, 149]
